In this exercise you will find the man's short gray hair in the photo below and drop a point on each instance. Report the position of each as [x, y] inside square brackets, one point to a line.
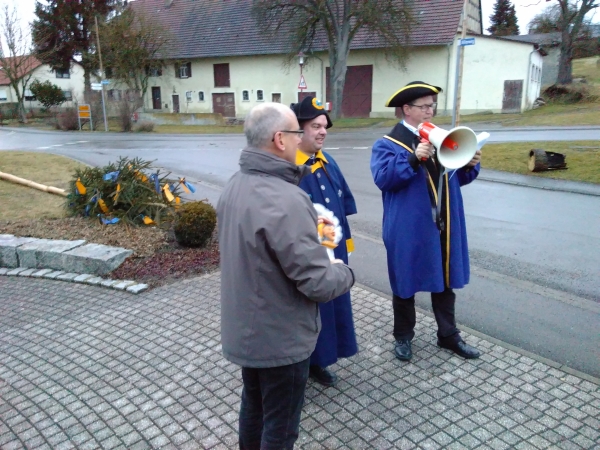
[263, 121]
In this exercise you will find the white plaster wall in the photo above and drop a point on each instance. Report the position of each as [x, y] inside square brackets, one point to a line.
[44, 73]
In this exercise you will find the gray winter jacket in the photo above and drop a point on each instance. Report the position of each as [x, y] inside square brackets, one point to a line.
[273, 269]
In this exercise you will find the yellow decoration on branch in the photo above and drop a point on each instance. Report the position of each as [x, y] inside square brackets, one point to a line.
[118, 192]
[168, 193]
[80, 187]
[148, 221]
[103, 206]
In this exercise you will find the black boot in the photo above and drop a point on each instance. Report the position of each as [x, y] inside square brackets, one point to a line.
[322, 375]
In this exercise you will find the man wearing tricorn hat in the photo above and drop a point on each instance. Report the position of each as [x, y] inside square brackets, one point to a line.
[422, 255]
[328, 189]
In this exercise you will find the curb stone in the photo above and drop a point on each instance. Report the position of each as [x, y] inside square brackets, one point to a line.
[133, 287]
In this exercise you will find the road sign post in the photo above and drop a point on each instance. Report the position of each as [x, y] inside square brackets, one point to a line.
[302, 84]
[84, 112]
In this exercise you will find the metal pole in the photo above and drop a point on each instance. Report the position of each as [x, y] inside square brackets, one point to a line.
[456, 84]
[460, 57]
[101, 74]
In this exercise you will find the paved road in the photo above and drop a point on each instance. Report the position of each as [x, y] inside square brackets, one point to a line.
[535, 253]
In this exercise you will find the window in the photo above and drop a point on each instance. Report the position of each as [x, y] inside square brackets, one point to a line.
[29, 96]
[62, 73]
[260, 95]
[221, 74]
[68, 96]
[114, 94]
[155, 72]
[188, 96]
[200, 96]
[183, 70]
[245, 96]
[276, 98]
[3, 96]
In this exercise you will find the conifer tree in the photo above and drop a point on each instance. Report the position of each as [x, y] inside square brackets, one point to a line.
[504, 19]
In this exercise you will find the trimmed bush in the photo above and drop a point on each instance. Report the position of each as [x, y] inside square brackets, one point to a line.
[194, 224]
[130, 190]
[569, 93]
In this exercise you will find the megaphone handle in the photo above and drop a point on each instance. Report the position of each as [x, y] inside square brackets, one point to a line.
[424, 141]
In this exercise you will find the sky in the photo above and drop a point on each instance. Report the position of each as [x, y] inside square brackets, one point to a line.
[526, 10]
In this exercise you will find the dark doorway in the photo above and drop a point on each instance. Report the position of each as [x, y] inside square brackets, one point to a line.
[224, 104]
[175, 103]
[513, 94]
[357, 91]
[303, 95]
[156, 100]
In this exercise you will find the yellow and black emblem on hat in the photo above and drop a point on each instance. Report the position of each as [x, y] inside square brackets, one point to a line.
[310, 108]
[411, 92]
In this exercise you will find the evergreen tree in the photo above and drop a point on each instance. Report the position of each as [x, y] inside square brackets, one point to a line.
[504, 19]
[63, 32]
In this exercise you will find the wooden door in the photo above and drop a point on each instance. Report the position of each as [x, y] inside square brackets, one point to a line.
[513, 95]
[156, 99]
[303, 95]
[176, 103]
[224, 104]
[358, 91]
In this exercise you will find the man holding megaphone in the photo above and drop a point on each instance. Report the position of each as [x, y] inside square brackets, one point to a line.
[424, 228]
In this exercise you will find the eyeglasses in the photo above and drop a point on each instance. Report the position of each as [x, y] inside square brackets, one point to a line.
[424, 107]
[300, 132]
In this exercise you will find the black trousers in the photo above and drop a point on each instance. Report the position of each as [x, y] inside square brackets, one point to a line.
[442, 303]
[272, 400]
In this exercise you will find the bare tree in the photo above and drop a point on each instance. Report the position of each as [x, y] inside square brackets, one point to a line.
[134, 48]
[17, 65]
[569, 18]
[333, 24]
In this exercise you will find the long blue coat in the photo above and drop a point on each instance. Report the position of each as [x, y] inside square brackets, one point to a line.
[326, 185]
[419, 257]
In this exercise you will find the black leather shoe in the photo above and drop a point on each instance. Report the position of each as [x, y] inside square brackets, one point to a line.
[461, 349]
[403, 350]
[322, 375]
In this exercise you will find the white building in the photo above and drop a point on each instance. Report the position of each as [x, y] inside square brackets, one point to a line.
[226, 65]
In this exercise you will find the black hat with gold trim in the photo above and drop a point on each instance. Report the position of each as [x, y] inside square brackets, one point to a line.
[310, 108]
[411, 92]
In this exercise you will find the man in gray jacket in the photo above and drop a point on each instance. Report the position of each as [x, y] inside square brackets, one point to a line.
[274, 272]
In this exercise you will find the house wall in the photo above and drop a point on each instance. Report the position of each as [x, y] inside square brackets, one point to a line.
[485, 70]
[74, 84]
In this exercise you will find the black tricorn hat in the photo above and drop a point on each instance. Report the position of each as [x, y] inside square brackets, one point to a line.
[310, 108]
[411, 92]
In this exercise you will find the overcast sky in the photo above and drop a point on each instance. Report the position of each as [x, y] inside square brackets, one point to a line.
[526, 10]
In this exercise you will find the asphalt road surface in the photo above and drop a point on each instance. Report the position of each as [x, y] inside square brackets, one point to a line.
[535, 253]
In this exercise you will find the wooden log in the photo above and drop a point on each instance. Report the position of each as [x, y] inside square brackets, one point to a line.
[33, 184]
[540, 160]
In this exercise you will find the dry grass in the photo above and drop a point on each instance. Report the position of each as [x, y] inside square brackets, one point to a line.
[583, 159]
[20, 202]
[199, 129]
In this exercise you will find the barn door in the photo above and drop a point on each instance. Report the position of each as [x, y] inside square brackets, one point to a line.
[513, 94]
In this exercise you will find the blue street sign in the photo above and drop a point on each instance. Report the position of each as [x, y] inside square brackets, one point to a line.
[467, 41]
[105, 81]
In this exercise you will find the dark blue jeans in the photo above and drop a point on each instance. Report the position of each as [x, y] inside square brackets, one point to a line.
[272, 400]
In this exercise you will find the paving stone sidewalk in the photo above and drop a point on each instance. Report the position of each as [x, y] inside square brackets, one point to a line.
[86, 367]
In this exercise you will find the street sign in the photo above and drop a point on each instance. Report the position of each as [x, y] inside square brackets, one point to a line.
[96, 87]
[105, 82]
[466, 41]
[84, 111]
[302, 84]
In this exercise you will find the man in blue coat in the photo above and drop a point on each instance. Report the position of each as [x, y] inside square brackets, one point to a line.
[423, 254]
[326, 186]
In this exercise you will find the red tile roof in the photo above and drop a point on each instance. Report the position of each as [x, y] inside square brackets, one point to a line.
[25, 65]
[213, 28]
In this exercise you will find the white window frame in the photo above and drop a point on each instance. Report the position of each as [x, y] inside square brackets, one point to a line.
[262, 94]
[3, 95]
[276, 93]
[245, 95]
[28, 96]
[188, 96]
[183, 71]
[68, 98]
[201, 96]
[65, 73]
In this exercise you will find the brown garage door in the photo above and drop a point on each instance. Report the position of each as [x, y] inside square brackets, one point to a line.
[513, 93]
[357, 91]
[224, 104]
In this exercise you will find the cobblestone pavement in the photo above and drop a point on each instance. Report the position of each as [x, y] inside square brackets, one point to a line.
[86, 367]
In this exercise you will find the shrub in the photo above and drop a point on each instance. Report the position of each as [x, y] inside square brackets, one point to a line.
[194, 223]
[130, 194]
[569, 93]
[144, 127]
[67, 120]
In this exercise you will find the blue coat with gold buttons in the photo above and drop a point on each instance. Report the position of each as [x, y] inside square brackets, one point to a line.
[326, 185]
